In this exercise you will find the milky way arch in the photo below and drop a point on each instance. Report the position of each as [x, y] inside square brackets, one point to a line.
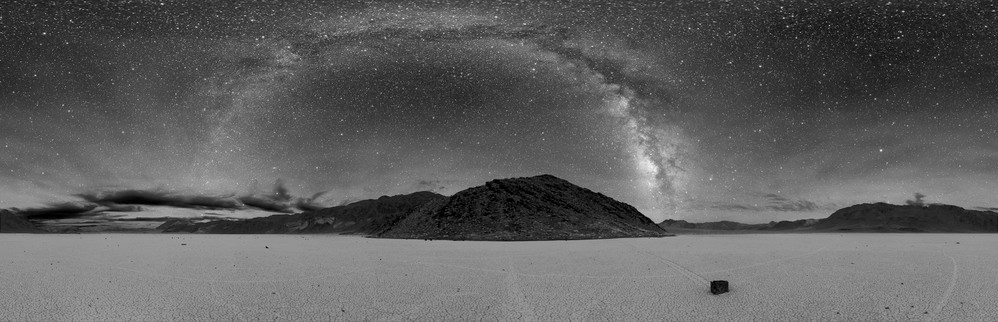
[597, 66]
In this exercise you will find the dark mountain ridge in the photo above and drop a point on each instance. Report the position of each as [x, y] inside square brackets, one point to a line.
[533, 208]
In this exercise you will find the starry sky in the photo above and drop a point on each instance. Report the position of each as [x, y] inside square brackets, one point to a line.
[698, 110]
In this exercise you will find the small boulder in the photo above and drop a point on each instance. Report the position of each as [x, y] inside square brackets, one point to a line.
[718, 287]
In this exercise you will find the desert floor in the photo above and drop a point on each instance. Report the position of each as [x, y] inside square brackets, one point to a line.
[274, 277]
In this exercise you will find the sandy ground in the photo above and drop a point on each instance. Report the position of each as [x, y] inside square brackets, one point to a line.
[272, 277]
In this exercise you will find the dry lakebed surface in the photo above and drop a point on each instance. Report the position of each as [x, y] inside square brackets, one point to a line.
[327, 277]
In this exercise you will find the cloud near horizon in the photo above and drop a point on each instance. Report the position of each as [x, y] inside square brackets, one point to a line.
[60, 210]
[774, 202]
[131, 200]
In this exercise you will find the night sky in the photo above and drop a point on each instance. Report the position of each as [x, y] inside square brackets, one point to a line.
[703, 110]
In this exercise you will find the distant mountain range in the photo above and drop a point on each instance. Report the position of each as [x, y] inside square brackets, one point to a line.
[533, 208]
[913, 218]
[876, 217]
[731, 225]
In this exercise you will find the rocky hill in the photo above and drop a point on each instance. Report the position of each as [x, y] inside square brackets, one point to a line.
[910, 218]
[534, 208]
[362, 217]
[15, 223]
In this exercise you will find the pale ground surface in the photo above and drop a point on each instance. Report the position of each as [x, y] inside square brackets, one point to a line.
[773, 277]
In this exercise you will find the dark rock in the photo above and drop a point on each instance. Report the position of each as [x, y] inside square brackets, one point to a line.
[718, 287]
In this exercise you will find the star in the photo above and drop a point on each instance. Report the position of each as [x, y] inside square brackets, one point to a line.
[683, 110]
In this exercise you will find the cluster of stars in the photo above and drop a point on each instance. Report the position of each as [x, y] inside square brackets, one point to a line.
[679, 108]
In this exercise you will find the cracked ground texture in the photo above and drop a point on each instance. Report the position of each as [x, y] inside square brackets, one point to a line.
[884, 277]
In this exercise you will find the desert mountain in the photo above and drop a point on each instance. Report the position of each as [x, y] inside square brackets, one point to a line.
[534, 208]
[876, 217]
[15, 223]
[915, 218]
[362, 217]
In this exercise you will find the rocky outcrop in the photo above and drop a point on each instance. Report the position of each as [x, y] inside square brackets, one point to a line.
[534, 208]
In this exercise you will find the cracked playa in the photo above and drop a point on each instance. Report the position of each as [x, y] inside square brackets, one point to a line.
[312, 277]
